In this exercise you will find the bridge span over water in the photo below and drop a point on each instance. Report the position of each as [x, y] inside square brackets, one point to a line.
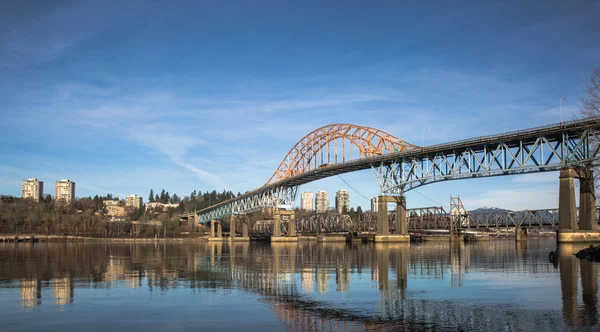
[400, 166]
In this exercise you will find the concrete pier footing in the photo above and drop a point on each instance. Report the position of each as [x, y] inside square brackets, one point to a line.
[569, 231]
[239, 239]
[575, 236]
[284, 239]
[392, 238]
[331, 238]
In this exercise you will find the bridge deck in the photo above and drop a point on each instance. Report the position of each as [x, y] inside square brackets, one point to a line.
[510, 139]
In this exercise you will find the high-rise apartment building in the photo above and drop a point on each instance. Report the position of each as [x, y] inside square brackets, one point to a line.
[65, 190]
[374, 206]
[322, 202]
[133, 201]
[307, 201]
[342, 201]
[32, 188]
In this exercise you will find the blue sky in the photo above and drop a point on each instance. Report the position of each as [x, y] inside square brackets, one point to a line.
[208, 95]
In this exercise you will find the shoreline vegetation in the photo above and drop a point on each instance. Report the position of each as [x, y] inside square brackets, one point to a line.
[106, 217]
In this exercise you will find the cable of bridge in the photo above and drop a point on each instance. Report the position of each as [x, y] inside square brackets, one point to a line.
[368, 199]
[356, 191]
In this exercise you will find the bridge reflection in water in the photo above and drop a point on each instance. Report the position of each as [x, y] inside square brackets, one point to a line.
[332, 287]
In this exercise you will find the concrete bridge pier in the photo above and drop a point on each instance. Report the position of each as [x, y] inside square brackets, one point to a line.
[232, 230]
[218, 235]
[520, 234]
[383, 228]
[277, 236]
[245, 233]
[568, 229]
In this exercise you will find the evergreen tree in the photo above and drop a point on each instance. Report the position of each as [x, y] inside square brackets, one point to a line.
[359, 210]
[156, 198]
[151, 198]
[167, 197]
[162, 196]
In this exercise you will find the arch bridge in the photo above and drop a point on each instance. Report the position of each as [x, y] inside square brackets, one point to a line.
[400, 166]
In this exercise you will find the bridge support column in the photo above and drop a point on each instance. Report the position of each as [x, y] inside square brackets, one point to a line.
[588, 220]
[245, 233]
[567, 217]
[291, 230]
[232, 222]
[218, 235]
[383, 226]
[276, 224]
[520, 234]
[233, 228]
[292, 227]
[568, 229]
[401, 218]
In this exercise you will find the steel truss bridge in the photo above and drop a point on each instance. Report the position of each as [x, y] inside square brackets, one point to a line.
[428, 218]
[400, 166]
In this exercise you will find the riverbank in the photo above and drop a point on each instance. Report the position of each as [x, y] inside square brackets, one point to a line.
[72, 238]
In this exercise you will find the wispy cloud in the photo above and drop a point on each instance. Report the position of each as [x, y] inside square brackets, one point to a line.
[58, 28]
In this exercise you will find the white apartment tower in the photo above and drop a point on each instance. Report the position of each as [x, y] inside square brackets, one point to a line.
[65, 190]
[342, 201]
[33, 188]
[133, 201]
[374, 206]
[322, 202]
[307, 201]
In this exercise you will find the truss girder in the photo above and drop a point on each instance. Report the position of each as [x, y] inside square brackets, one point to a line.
[270, 197]
[511, 155]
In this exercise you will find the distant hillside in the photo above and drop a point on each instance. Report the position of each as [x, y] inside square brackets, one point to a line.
[488, 209]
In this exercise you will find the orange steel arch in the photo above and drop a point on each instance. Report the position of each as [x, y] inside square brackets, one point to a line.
[304, 156]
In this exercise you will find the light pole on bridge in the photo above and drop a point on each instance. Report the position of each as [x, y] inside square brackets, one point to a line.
[561, 119]
[423, 137]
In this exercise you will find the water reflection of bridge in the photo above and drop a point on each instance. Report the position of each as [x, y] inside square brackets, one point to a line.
[294, 279]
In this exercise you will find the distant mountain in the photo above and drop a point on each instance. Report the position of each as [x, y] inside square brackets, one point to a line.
[488, 209]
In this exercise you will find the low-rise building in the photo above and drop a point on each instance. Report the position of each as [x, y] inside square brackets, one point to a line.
[33, 188]
[133, 201]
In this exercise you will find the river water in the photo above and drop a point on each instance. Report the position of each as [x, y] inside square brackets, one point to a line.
[486, 286]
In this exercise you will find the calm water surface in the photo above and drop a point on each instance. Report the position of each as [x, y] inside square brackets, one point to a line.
[301, 287]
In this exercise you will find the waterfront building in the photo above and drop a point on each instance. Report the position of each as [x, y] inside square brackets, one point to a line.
[322, 202]
[65, 190]
[32, 188]
[374, 206]
[133, 201]
[307, 202]
[342, 201]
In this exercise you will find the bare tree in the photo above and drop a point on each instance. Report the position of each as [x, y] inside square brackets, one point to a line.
[591, 99]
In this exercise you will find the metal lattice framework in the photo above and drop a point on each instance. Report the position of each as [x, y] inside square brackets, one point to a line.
[534, 150]
[260, 199]
[332, 145]
[400, 166]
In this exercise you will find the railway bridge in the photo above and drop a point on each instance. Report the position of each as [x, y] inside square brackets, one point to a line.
[569, 147]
